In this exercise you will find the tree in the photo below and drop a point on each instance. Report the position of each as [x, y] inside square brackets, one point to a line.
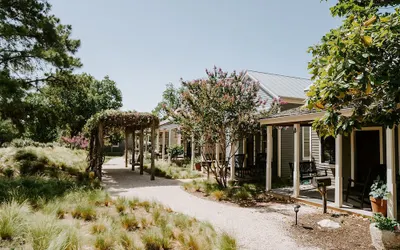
[35, 48]
[68, 107]
[218, 110]
[171, 100]
[356, 66]
[7, 131]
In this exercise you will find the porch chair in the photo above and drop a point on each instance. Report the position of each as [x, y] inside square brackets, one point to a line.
[308, 170]
[239, 169]
[362, 189]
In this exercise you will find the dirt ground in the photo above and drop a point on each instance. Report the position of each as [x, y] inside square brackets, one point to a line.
[353, 233]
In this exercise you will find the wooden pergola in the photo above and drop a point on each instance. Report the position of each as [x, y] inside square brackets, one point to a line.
[130, 122]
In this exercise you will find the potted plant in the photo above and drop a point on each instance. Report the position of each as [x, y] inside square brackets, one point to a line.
[378, 197]
[384, 232]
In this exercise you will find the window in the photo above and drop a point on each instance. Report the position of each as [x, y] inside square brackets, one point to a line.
[116, 145]
[306, 143]
[328, 150]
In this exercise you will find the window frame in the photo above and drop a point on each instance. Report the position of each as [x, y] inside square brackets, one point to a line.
[302, 143]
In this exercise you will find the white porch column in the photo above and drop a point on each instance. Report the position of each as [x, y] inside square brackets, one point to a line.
[192, 144]
[338, 171]
[296, 167]
[391, 174]
[268, 184]
[169, 144]
[179, 137]
[352, 155]
[157, 144]
[233, 150]
[279, 142]
[163, 146]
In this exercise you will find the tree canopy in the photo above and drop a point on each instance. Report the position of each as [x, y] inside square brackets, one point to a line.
[356, 66]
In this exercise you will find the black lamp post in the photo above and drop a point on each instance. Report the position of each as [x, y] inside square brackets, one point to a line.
[296, 210]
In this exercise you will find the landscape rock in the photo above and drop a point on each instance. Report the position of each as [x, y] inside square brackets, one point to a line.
[329, 224]
[384, 239]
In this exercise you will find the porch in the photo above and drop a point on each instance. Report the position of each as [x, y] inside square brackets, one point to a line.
[343, 158]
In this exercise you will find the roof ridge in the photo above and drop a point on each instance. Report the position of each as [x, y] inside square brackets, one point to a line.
[296, 77]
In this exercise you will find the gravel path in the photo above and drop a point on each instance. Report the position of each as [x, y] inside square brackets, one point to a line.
[261, 228]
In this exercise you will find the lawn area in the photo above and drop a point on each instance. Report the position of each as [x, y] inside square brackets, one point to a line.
[173, 171]
[246, 195]
[47, 201]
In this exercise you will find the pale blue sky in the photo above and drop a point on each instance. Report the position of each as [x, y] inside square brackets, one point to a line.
[145, 44]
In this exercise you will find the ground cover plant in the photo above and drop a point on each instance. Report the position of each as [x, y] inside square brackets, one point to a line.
[244, 194]
[173, 171]
[91, 219]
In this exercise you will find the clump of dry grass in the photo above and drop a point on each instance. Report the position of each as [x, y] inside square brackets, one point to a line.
[86, 212]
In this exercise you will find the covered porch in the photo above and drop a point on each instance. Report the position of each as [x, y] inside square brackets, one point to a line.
[350, 161]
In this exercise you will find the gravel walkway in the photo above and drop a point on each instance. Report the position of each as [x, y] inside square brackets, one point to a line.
[261, 228]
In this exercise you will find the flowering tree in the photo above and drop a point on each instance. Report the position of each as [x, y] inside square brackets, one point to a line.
[218, 111]
[76, 142]
[357, 66]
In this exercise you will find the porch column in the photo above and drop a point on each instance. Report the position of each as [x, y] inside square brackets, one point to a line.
[279, 142]
[391, 174]
[133, 149]
[217, 152]
[352, 155]
[141, 150]
[169, 144]
[268, 184]
[233, 150]
[296, 167]
[163, 146]
[126, 147]
[192, 153]
[179, 137]
[157, 145]
[338, 171]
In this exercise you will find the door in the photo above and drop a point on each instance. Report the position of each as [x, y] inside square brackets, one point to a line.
[250, 150]
[367, 153]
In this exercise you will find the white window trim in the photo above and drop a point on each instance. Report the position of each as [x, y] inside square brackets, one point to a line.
[302, 143]
[115, 145]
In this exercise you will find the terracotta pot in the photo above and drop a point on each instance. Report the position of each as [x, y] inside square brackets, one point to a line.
[198, 166]
[378, 205]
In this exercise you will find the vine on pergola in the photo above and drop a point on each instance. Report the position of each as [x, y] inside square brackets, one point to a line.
[105, 122]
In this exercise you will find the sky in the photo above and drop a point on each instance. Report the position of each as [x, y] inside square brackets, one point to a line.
[145, 44]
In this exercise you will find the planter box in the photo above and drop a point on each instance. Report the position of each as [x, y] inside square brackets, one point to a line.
[384, 239]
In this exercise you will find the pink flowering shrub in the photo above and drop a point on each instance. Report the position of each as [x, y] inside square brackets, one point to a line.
[75, 142]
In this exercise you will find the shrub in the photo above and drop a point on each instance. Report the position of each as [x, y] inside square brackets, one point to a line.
[384, 223]
[227, 242]
[8, 172]
[68, 239]
[218, 195]
[42, 230]
[13, 220]
[121, 205]
[133, 204]
[154, 239]
[75, 142]
[105, 242]
[129, 222]
[176, 150]
[85, 212]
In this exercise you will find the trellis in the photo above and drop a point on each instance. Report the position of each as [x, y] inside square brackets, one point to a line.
[130, 122]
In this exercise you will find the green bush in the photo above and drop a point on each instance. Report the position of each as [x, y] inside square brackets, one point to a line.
[176, 150]
[384, 223]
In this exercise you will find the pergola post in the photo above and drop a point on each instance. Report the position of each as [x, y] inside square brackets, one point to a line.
[391, 173]
[153, 132]
[133, 149]
[163, 146]
[146, 136]
[338, 171]
[268, 184]
[169, 144]
[296, 167]
[352, 156]
[126, 147]
[233, 150]
[141, 150]
[192, 152]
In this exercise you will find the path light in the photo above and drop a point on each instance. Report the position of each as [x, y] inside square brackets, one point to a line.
[296, 210]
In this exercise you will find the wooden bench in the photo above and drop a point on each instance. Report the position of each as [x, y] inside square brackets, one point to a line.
[308, 170]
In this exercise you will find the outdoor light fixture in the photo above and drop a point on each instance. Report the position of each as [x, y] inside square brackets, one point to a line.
[296, 210]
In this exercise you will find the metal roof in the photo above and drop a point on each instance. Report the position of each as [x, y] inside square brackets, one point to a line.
[281, 86]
